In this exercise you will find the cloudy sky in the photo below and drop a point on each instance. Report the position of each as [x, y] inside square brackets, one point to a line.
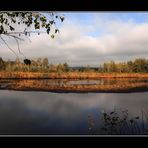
[88, 38]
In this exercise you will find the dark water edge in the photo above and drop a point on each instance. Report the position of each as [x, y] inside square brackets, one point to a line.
[131, 90]
[76, 86]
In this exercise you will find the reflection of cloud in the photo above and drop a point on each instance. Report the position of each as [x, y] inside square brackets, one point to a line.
[71, 104]
[51, 113]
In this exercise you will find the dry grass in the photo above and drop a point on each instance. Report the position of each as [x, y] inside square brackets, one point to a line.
[114, 82]
[70, 75]
[118, 122]
[64, 86]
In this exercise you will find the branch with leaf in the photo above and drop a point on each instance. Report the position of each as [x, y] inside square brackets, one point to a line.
[35, 21]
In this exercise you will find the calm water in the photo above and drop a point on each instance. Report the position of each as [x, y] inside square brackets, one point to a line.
[70, 82]
[56, 113]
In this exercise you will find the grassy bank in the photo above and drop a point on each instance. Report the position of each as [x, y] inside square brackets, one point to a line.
[119, 85]
[63, 82]
[69, 75]
[82, 89]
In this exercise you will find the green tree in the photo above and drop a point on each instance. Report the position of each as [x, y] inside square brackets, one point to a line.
[113, 67]
[140, 65]
[130, 66]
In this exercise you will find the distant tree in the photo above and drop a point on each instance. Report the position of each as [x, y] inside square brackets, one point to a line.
[87, 69]
[130, 66]
[52, 68]
[8, 65]
[100, 68]
[39, 64]
[112, 66]
[45, 64]
[17, 64]
[66, 67]
[138, 65]
[33, 66]
[106, 67]
[28, 63]
[2, 64]
[60, 68]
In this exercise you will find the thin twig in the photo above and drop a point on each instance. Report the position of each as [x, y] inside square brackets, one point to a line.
[16, 39]
[143, 127]
[9, 47]
[22, 32]
[9, 35]
[19, 47]
[28, 38]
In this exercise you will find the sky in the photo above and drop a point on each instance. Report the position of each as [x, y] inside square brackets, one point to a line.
[88, 38]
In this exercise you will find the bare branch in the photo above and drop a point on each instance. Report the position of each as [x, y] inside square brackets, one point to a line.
[37, 20]
[23, 32]
[14, 36]
[9, 47]
[16, 39]
[19, 48]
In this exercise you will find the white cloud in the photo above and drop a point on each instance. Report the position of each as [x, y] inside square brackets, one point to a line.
[77, 45]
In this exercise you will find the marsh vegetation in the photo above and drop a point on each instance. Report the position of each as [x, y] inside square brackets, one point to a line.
[119, 122]
[117, 85]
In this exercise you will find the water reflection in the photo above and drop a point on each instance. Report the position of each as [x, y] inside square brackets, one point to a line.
[54, 113]
[68, 85]
[57, 82]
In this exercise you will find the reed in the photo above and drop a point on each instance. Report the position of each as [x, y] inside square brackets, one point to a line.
[118, 122]
[103, 85]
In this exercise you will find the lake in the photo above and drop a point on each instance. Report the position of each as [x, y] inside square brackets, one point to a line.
[47, 113]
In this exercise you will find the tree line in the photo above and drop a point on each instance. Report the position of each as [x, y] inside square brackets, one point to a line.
[138, 65]
[38, 65]
[42, 65]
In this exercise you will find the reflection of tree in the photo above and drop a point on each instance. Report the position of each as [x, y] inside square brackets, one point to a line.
[60, 82]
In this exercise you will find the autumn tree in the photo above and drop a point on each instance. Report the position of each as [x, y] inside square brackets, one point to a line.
[45, 64]
[66, 67]
[2, 64]
[60, 68]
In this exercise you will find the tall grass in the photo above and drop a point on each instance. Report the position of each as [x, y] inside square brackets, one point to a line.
[118, 122]
[70, 75]
[102, 85]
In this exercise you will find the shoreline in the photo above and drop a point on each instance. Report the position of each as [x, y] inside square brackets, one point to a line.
[52, 82]
[131, 90]
[69, 75]
[32, 85]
